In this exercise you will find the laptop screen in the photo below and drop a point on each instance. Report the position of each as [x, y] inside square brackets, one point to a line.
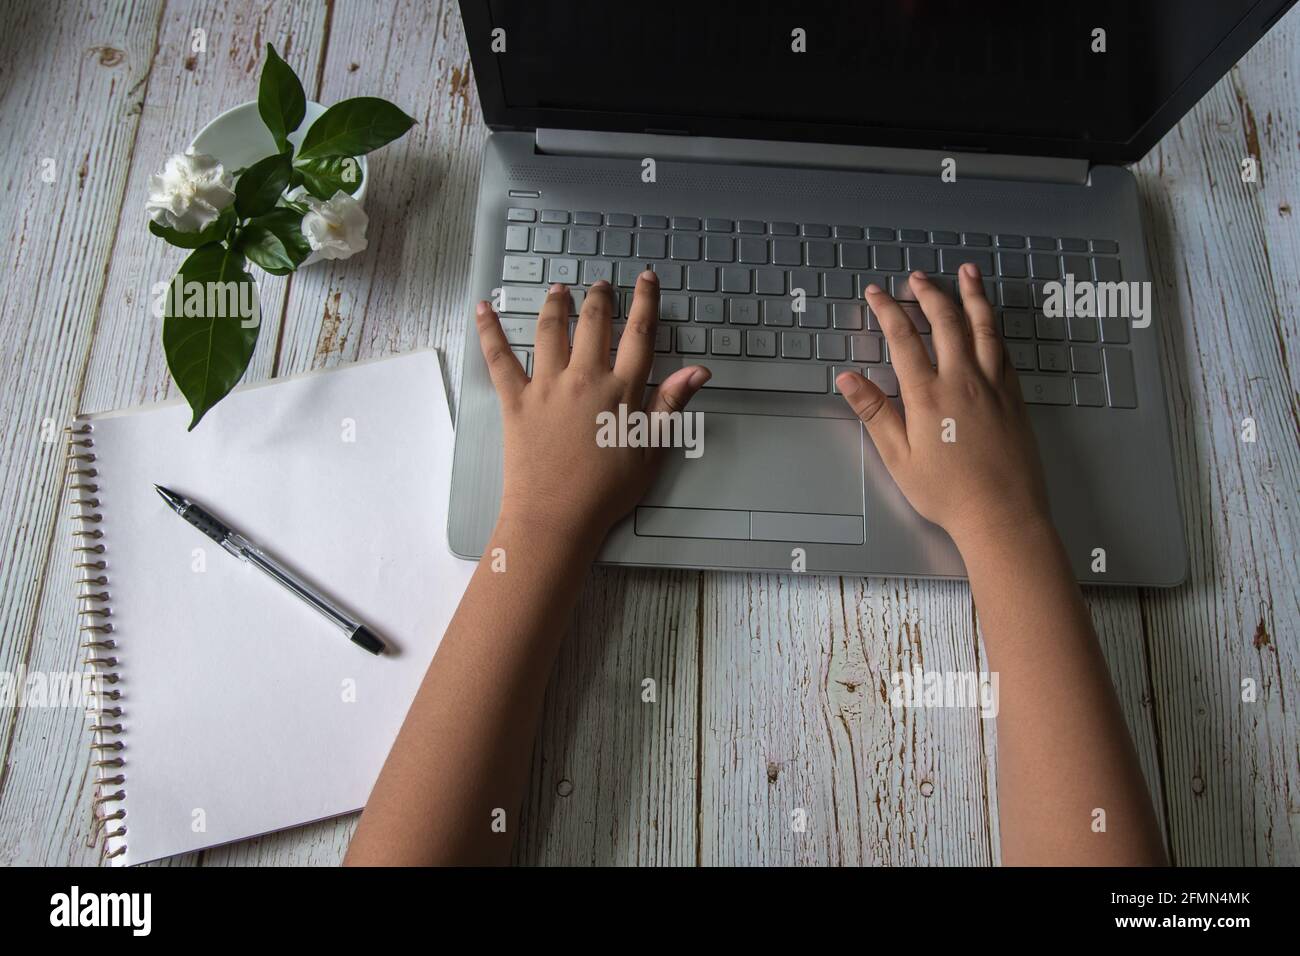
[1059, 77]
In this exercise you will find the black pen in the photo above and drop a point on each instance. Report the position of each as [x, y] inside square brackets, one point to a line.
[235, 543]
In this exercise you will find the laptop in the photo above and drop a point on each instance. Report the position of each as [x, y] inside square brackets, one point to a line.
[748, 152]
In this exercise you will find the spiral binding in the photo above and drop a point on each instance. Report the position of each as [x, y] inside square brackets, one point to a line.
[99, 642]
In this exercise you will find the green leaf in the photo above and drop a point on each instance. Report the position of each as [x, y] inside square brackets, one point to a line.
[193, 240]
[324, 177]
[275, 241]
[280, 100]
[354, 127]
[262, 185]
[206, 335]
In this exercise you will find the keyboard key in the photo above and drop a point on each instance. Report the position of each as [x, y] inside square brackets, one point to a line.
[887, 258]
[562, 270]
[848, 232]
[783, 228]
[617, 243]
[864, 348]
[756, 376]
[651, 245]
[1046, 390]
[1074, 245]
[583, 242]
[804, 279]
[1044, 267]
[817, 230]
[760, 344]
[708, 309]
[837, 285]
[701, 278]
[855, 255]
[831, 348]
[913, 235]
[523, 356]
[1051, 327]
[751, 227]
[555, 215]
[1083, 328]
[866, 279]
[1012, 264]
[526, 300]
[880, 234]
[717, 225]
[1105, 246]
[847, 315]
[814, 316]
[914, 312]
[586, 219]
[1042, 242]
[944, 238]
[1015, 294]
[923, 258]
[777, 312]
[752, 250]
[1121, 388]
[627, 272]
[735, 279]
[685, 222]
[769, 282]
[1078, 266]
[522, 269]
[1107, 270]
[1085, 359]
[652, 222]
[1053, 358]
[719, 249]
[1089, 392]
[725, 341]
[690, 340]
[1017, 325]
[1114, 330]
[517, 238]
[669, 273]
[685, 246]
[548, 239]
[953, 259]
[1023, 357]
[820, 254]
[743, 311]
[796, 345]
[884, 378]
[517, 214]
[787, 252]
[518, 331]
[977, 239]
[594, 270]
[663, 338]
[620, 219]
[901, 289]
[674, 308]
[1010, 241]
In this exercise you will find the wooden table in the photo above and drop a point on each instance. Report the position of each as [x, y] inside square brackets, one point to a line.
[770, 687]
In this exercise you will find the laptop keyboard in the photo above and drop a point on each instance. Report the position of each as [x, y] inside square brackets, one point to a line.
[725, 297]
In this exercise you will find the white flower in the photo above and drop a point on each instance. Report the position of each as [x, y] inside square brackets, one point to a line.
[335, 228]
[190, 192]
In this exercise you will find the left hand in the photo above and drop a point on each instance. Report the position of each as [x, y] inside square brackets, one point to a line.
[555, 473]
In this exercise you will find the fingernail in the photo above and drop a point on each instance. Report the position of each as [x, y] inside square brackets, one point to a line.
[601, 284]
[556, 287]
[918, 274]
[848, 384]
[481, 308]
[873, 289]
[971, 270]
[699, 377]
[648, 275]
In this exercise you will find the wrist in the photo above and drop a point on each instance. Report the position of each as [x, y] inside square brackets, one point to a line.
[1023, 535]
[558, 531]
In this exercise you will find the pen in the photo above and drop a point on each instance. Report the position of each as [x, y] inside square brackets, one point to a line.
[235, 543]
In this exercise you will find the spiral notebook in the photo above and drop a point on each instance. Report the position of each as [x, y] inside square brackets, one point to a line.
[229, 708]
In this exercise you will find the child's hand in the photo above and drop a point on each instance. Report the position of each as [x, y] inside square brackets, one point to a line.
[986, 479]
[555, 473]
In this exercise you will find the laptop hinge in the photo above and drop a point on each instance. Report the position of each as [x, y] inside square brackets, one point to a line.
[763, 152]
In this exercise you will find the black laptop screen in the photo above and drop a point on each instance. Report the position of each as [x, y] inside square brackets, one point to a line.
[961, 72]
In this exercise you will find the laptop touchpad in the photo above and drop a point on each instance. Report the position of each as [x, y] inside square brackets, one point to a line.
[777, 468]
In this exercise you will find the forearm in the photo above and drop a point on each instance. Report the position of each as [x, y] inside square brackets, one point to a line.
[1064, 751]
[463, 752]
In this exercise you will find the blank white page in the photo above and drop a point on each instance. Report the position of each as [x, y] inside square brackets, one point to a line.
[244, 710]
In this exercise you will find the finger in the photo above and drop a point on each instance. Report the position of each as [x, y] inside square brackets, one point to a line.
[507, 374]
[983, 323]
[636, 349]
[591, 338]
[906, 350]
[677, 389]
[883, 423]
[551, 337]
[951, 341]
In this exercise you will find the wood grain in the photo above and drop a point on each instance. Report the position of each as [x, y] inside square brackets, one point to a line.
[770, 691]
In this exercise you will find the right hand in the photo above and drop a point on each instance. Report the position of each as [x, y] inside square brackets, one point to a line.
[988, 479]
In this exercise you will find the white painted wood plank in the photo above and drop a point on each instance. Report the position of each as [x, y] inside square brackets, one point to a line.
[46, 796]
